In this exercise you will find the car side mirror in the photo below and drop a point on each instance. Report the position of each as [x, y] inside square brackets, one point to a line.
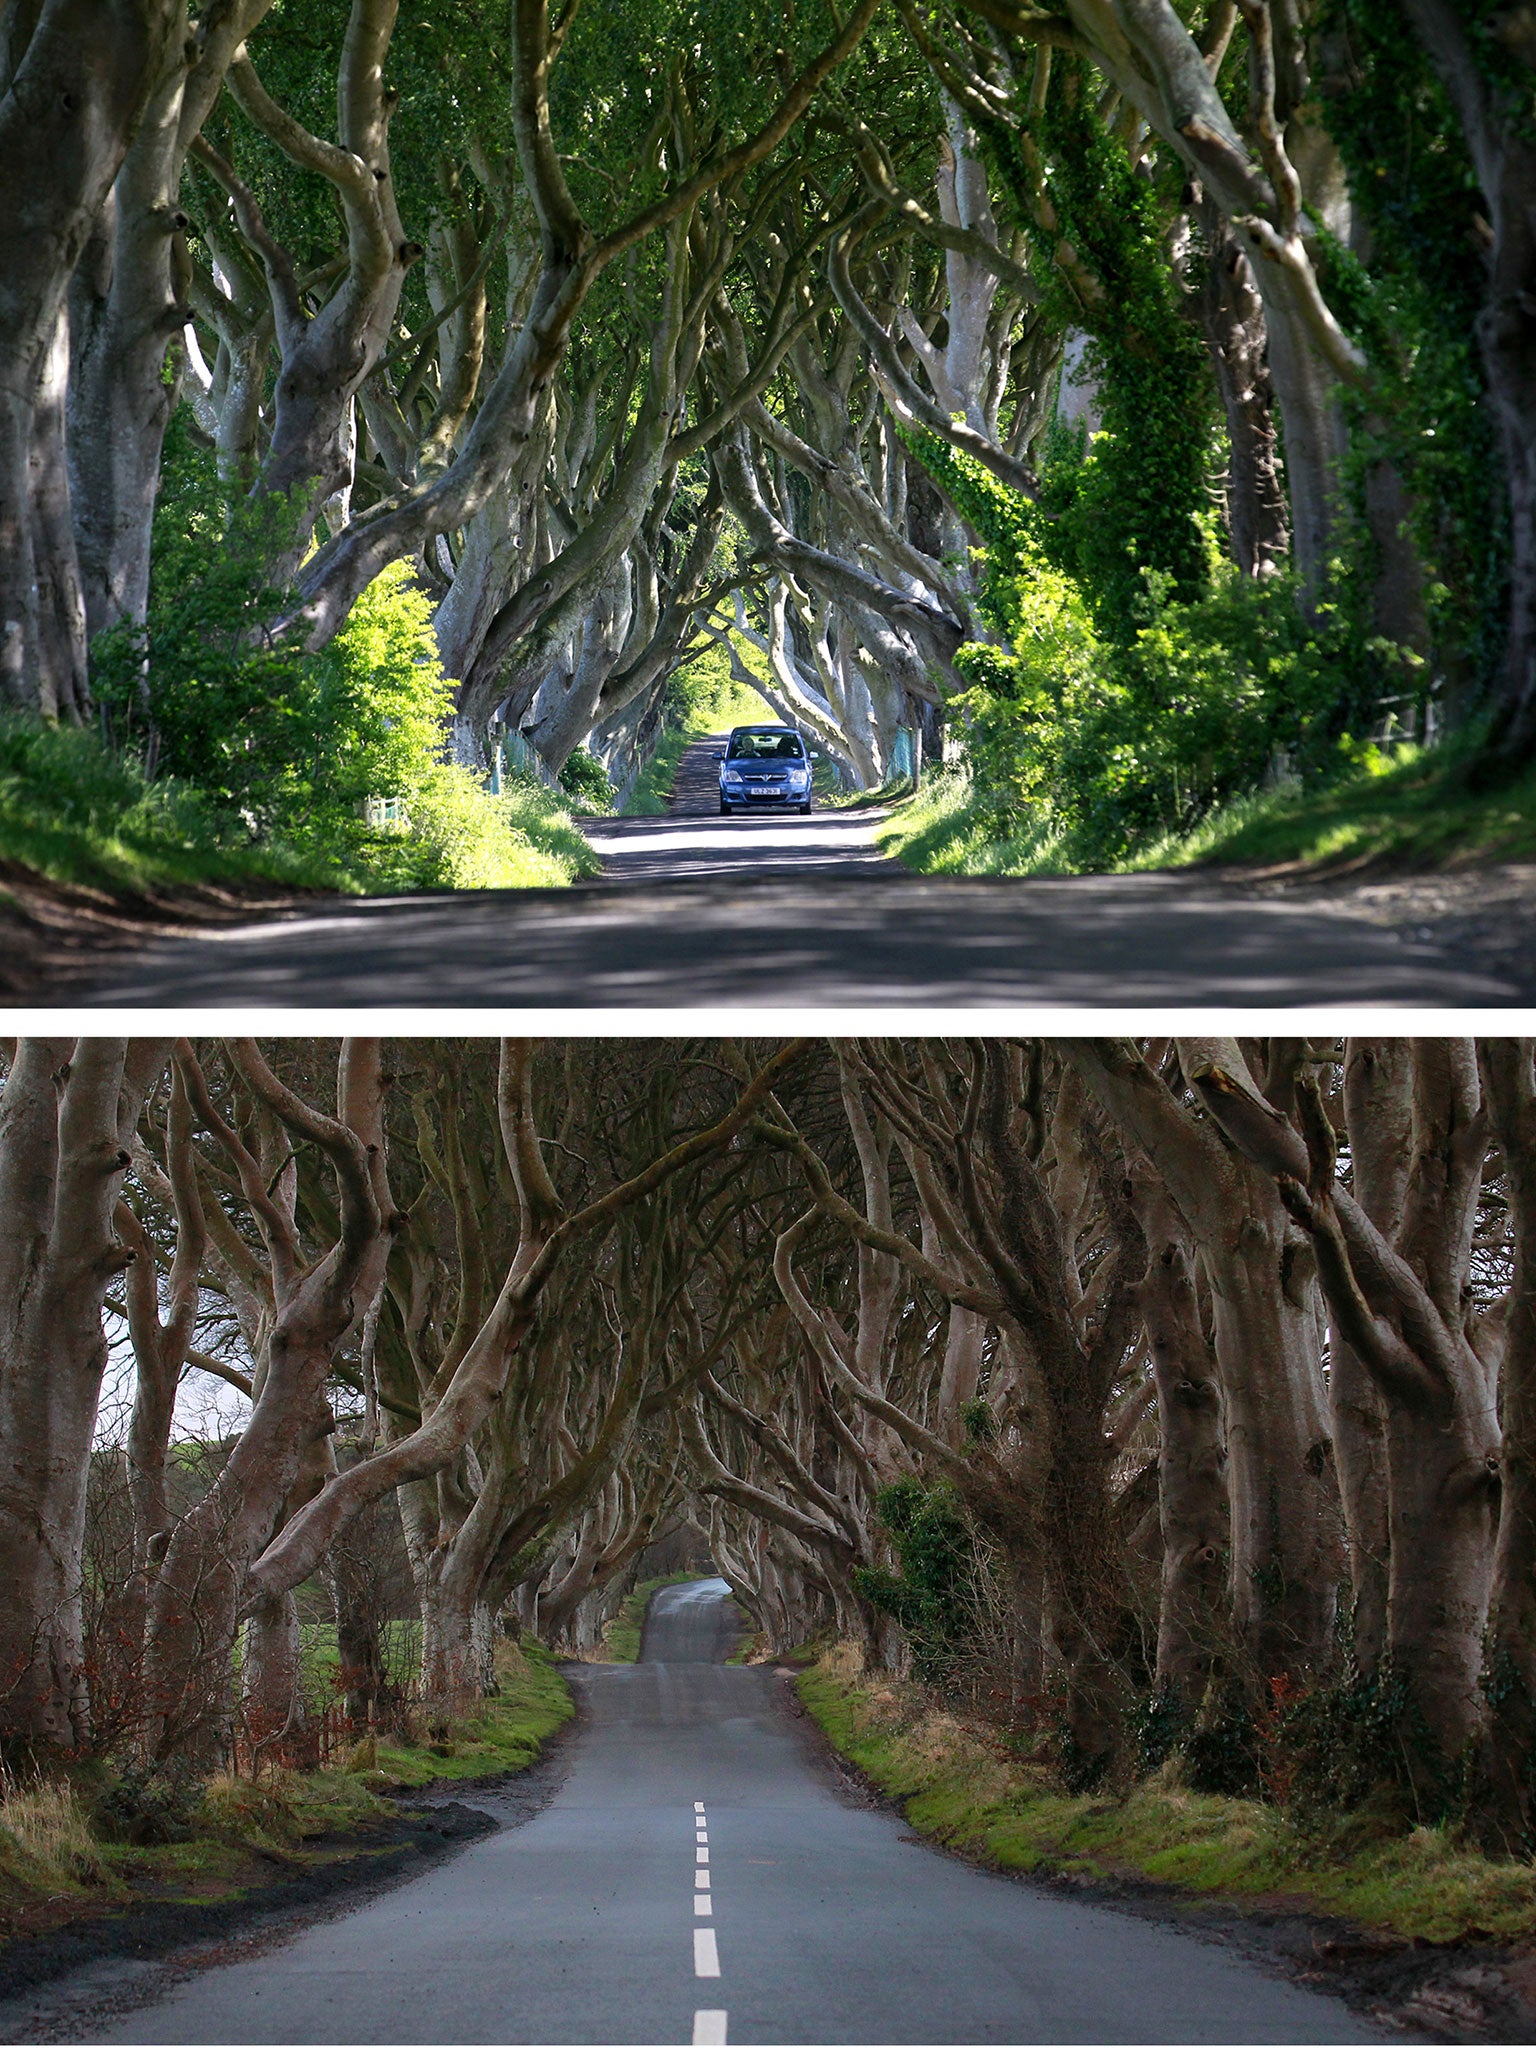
[718, 754]
[815, 757]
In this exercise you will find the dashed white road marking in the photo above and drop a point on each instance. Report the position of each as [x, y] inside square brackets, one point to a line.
[703, 1903]
[701, 1880]
[706, 1957]
[701, 1855]
[698, 1806]
[701, 1836]
[709, 2030]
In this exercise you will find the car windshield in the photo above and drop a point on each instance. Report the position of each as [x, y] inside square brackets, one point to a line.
[765, 746]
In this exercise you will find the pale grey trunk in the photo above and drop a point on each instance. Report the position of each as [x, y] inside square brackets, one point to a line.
[272, 1702]
[74, 81]
[67, 1112]
[1192, 1477]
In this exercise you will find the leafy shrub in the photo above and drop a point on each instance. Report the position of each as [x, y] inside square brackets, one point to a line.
[462, 837]
[585, 778]
[1359, 1741]
[208, 690]
[934, 1597]
[269, 744]
[1157, 1722]
[1108, 743]
[145, 1806]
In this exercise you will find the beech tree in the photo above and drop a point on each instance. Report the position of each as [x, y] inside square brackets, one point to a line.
[1115, 1385]
[625, 359]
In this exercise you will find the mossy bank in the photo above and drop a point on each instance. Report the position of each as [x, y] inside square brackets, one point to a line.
[109, 1863]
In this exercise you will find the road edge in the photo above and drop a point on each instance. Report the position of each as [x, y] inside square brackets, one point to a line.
[1435, 1991]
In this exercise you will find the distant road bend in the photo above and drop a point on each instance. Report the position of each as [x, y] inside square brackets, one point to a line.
[700, 1876]
[694, 908]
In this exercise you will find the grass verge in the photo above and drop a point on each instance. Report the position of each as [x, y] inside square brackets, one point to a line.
[67, 1847]
[73, 813]
[1416, 813]
[959, 1784]
[504, 1734]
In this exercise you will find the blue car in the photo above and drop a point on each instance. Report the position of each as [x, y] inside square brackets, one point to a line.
[765, 768]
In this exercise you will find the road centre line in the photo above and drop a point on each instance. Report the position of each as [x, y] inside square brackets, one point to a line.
[708, 2030]
[701, 1855]
[698, 1806]
[706, 1956]
[701, 1880]
[703, 1903]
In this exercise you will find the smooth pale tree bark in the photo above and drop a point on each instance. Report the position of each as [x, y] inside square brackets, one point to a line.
[129, 300]
[1377, 1116]
[546, 1229]
[67, 1116]
[326, 355]
[203, 1585]
[571, 260]
[75, 78]
[1507, 1804]
[1285, 1551]
[1192, 1478]
[1401, 1305]
[162, 1339]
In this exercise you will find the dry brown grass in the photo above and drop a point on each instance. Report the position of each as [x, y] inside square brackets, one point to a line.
[46, 1842]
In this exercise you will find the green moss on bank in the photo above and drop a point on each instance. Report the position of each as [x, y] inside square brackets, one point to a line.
[62, 1855]
[502, 1734]
[960, 1785]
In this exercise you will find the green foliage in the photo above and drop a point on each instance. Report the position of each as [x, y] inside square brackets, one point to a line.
[1103, 742]
[934, 1597]
[979, 1420]
[585, 778]
[1414, 312]
[287, 749]
[1135, 502]
[1359, 1741]
[143, 1805]
[1156, 1722]
[1222, 1751]
[77, 812]
[208, 691]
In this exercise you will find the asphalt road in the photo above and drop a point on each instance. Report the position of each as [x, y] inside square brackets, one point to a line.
[700, 1877]
[697, 909]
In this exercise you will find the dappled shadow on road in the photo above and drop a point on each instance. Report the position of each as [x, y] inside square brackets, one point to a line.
[1079, 941]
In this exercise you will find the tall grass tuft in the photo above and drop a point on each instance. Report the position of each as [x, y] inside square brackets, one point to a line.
[46, 1842]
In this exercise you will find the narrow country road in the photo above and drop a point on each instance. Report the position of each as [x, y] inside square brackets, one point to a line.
[693, 909]
[700, 1877]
